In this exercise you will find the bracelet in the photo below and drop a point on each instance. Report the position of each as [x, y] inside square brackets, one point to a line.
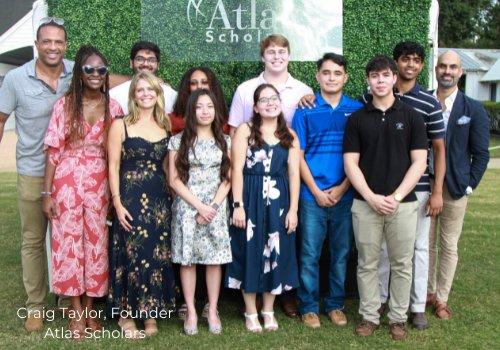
[215, 206]
[114, 195]
[46, 194]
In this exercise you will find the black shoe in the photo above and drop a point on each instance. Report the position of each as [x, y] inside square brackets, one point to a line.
[419, 321]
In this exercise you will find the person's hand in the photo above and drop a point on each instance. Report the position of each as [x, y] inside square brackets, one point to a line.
[323, 199]
[200, 220]
[239, 217]
[123, 216]
[381, 204]
[391, 204]
[49, 208]
[307, 101]
[291, 221]
[335, 194]
[207, 212]
[435, 204]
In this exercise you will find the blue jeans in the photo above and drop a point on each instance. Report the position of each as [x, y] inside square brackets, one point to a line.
[315, 224]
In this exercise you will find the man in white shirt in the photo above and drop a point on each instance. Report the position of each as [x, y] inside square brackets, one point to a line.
[275, 54]
[144, 57]
[467, 156]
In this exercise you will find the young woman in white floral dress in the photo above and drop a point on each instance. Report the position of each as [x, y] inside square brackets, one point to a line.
[199, 167]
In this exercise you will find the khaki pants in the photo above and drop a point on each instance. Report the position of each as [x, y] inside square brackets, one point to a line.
[398, 229]
[33, 230]
[450, 223]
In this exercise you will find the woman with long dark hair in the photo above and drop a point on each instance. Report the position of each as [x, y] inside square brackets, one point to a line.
[265, 184]
[199, 174]
[192, 80]
[75, 196]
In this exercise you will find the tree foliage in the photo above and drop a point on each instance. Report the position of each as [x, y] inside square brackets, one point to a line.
[469, 23]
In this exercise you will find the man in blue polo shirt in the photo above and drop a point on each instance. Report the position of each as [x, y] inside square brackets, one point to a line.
[325, 194]
[409, 58]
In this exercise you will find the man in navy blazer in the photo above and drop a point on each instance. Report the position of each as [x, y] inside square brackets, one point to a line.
[467, 155]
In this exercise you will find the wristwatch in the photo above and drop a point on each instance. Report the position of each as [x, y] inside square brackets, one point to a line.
[237, 204]
[468, 191]
[398, 197]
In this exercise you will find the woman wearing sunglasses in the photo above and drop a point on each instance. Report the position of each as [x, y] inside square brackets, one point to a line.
[75, 196]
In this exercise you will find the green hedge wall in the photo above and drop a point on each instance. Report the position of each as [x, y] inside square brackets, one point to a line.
[370, 27]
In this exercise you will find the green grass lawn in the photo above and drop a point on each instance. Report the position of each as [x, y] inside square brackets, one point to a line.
[474, 299]
[495, 141]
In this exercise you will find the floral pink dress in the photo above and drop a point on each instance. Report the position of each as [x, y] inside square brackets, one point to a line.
[80, 192]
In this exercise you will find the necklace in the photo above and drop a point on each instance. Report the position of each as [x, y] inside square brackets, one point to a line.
[92, 105]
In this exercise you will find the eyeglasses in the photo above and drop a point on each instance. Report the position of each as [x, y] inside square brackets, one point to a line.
[56, 20]
[102, 70]
[266, 100]
[141, 60]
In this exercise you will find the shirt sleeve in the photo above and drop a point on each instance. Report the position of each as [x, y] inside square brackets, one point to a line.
[228, 141]
[300, 127]
[237, 110]
[174, 142]
[115, 109]
[352, 142]
[56, 133]
[8, 98]
[434, 122]
[418, 133]
[170, 97]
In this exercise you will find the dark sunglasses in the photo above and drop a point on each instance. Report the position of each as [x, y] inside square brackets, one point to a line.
[102, 70]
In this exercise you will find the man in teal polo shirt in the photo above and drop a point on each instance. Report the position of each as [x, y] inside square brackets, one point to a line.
[325, 194]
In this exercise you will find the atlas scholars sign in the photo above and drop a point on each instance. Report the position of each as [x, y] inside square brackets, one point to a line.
[238, 24]
[231, 30]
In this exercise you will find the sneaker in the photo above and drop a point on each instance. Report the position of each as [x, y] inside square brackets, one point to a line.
[398, 331]
[366, 328]
[33, 323]
[311, 320]
[419, 321]
[338, 317]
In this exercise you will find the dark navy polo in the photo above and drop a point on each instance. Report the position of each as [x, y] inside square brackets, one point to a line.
[384, 141]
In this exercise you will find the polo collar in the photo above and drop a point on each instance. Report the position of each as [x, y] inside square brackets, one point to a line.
[397, 105]
[31, 68]
[414, 91]
[288, 84]
[320, 101]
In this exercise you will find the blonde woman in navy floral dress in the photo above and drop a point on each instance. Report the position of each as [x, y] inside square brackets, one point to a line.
[141, 275]
[266, 180]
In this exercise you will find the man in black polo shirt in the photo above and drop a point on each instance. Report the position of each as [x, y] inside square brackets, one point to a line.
[385, 152]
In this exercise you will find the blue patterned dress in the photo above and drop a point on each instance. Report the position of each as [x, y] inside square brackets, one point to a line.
[264, 257]
[140, 267]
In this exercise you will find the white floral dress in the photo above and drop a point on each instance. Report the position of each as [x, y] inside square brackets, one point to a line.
[193, 243]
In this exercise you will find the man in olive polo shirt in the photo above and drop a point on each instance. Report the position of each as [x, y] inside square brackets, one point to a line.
[385, 152]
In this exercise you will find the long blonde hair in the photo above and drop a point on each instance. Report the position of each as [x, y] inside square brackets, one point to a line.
[159, 110]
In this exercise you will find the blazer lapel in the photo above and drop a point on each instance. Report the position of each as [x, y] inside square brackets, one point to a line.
[456, 112]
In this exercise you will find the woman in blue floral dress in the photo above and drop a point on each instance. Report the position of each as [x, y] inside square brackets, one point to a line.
[141, 275]
[265, 184]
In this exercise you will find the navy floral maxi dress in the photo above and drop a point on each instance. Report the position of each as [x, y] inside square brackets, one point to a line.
[141, 275]
[264, 257]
